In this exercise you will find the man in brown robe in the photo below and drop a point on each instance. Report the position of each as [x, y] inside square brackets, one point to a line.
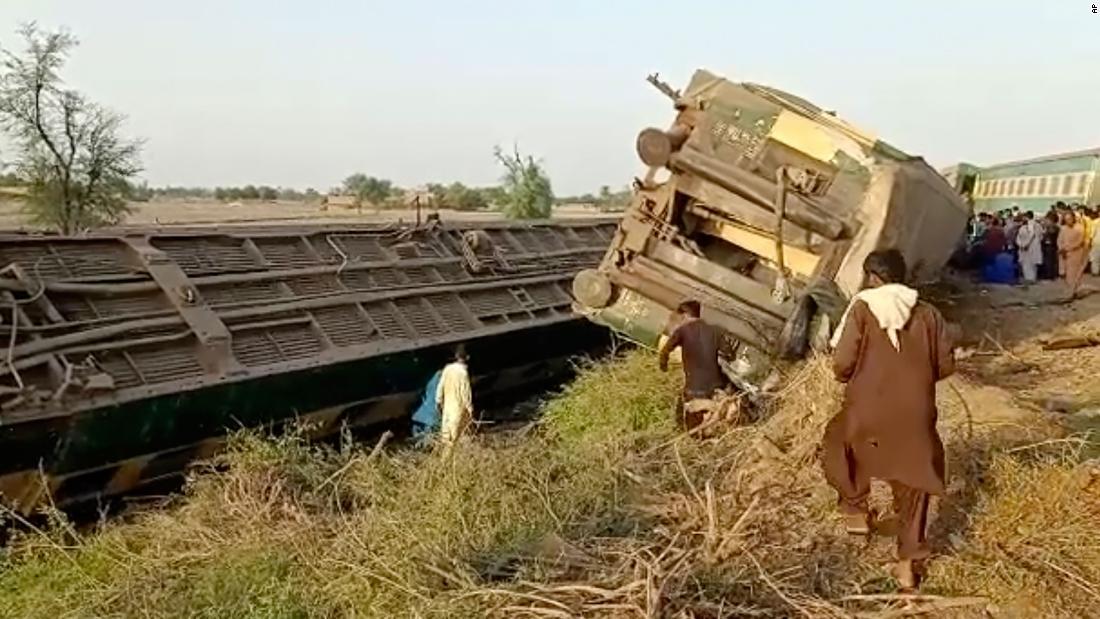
[1073, 252]
[700, 344]
[891, 350]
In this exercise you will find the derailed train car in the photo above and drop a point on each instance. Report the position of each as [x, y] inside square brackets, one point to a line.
[129, 355]
[769, 208]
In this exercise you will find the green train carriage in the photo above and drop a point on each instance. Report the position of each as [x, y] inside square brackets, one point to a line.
[1035, 184]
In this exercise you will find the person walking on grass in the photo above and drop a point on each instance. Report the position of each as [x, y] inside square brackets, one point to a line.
[890, 350]
[454, 398]
[700, 344]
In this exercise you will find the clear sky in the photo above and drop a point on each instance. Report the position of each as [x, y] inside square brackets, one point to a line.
[303, 93]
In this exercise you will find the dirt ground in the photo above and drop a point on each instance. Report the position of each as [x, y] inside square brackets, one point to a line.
[167, 212]
[1005, 328]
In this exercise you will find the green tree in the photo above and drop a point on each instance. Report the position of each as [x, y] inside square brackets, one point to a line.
[528, 194]
[69, 150]
[438, 192]
[494, 195]
[614, 200]
[287, 193]
[269, 194]
[139, 192]
[368, 188]
[605, 194]
[462, 198]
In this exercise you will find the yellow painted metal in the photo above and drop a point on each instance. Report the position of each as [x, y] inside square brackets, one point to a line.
[799, 261]
[805, 135]
[128, 474]
[24, 491]
[321, 423]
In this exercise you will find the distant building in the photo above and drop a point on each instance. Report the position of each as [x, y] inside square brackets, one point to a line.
[1035, 184]
[342, 201]
[421, 194]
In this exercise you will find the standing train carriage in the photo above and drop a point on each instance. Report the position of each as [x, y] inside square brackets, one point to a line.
[1035, 184]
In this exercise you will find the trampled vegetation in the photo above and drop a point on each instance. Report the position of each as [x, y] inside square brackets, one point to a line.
[599, 511]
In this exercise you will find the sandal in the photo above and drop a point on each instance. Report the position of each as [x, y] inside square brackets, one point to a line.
[857, 524]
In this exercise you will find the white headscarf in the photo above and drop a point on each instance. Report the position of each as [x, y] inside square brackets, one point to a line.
[891, 304]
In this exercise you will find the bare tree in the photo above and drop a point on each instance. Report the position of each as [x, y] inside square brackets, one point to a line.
[70, 150]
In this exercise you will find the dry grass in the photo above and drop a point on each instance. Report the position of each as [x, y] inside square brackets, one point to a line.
[602, 511]
[1032, 547]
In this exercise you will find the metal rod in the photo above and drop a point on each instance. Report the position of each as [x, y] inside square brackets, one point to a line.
[119, 289]
[91, 335]
[752, 187]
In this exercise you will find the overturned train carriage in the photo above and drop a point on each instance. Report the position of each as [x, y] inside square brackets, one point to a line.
[129, 356]
[769, 208]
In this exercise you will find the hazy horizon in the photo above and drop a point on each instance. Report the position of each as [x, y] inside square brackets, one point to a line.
[421, 92]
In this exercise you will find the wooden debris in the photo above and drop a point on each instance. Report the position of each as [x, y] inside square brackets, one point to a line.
[1067, 342]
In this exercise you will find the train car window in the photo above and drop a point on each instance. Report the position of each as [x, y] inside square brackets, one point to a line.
[1082, 184]
[1043, 186]
[1031, 186]
[1067, 184]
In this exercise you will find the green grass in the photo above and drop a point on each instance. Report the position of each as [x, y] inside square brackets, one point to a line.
[294, 530]
[600, 511]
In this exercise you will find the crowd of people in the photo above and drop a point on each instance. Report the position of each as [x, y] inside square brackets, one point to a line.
[1013, 245]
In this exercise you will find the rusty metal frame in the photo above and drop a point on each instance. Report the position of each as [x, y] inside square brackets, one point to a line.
[186, 317]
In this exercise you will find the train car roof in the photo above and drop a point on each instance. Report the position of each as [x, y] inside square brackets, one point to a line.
[1091, 152]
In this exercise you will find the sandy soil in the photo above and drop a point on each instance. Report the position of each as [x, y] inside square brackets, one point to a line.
[213, 212]
[1005, 329]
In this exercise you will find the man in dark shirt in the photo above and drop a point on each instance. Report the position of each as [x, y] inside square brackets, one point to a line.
[699, 343]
